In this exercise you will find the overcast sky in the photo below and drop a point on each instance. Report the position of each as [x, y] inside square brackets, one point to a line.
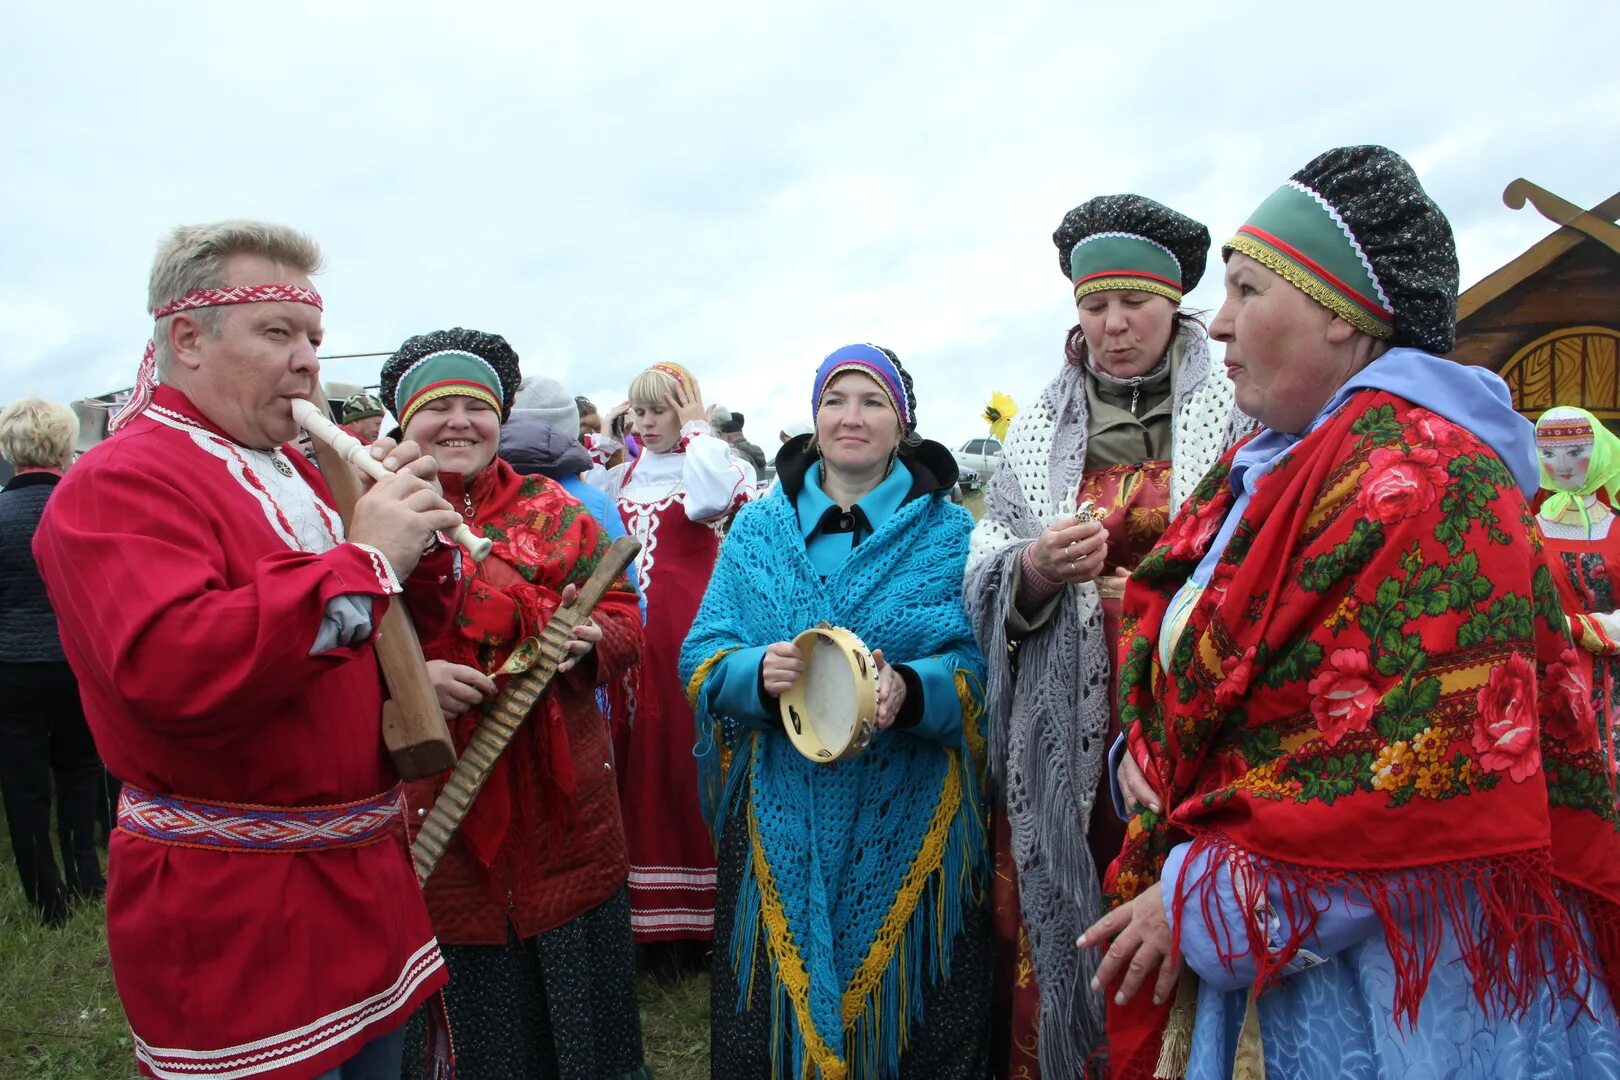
[738, 187]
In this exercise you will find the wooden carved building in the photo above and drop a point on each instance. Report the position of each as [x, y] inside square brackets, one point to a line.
[1549, 321]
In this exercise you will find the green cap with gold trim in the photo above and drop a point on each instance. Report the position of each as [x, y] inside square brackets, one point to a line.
[468, 363]
[1299, 235]
[1131, 242]
[1355, 231]
[1120, 260]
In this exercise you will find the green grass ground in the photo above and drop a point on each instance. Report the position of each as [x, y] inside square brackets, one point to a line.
[59, 1015]
[60, 1018]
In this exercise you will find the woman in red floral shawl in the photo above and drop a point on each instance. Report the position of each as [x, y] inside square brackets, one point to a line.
[1371, 813]
[529, 902]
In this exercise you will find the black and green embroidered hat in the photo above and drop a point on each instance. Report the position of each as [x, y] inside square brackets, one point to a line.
[449, 362]
[1355, 231]
[1131, 242]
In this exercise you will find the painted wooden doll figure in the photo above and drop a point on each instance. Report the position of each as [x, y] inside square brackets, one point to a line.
[1580, 476]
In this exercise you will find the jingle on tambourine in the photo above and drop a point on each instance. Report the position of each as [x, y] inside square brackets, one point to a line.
[831, 713]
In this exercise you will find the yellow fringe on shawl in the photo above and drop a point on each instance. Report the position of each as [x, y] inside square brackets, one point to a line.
[864, 984]
[789, 966]
[694, 688]
[971, 693]
[930, 856]
[694, 685]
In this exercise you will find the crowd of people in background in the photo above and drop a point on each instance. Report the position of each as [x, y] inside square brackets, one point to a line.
[1257, 724]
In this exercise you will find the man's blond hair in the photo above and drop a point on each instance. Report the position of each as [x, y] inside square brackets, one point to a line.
[193, 257]
[38, 434]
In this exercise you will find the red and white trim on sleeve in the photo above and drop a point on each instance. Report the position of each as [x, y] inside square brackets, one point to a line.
[691, 430]
[382, 568]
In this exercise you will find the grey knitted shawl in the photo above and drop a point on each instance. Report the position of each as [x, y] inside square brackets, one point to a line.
[1048, 705]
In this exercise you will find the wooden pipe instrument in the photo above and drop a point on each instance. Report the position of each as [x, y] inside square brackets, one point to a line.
[323, 432]
[413, 725]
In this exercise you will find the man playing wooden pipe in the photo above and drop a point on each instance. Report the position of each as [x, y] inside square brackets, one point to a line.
[263, 918]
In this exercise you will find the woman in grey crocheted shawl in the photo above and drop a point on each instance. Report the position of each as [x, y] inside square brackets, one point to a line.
[1132, 421]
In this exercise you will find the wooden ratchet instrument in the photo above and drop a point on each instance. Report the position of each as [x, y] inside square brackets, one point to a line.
[532, 664]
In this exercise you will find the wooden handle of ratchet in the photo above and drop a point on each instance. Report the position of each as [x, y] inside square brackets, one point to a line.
[518, 698]
[323, 431]
[412, 722]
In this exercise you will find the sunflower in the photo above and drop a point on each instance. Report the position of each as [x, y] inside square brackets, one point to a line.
[999, 413]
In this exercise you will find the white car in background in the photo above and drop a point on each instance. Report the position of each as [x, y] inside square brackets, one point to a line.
[977, 460]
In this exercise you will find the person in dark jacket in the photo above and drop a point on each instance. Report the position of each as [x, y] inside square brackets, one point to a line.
[42, 725]
[731, 429]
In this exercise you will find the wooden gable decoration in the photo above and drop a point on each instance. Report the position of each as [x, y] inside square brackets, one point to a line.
[1549, 321]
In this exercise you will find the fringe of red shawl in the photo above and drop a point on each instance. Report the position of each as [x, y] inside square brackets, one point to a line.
[1522, 939]
[1601, 917]
[1525, 936]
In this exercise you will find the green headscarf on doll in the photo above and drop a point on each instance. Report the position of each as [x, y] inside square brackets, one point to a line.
[1579, 456]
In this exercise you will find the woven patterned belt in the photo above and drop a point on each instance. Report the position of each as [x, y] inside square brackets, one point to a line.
[168, 819]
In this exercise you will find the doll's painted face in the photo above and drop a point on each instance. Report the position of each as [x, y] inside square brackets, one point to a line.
[1566, 462]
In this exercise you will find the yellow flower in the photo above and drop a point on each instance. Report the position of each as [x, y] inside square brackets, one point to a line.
[1393, 769]
[999, 413]
[1434, 780]
[1263, 783]
[1430, 745]
[1344, 614]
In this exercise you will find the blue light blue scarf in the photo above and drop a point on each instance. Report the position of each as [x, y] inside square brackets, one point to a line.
[868, 864]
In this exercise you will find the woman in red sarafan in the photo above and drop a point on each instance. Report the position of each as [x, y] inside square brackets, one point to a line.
[529, 902]
[676, 498]
[1374, 832]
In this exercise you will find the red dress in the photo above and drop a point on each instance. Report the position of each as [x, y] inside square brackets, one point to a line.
[1133, 504]
[1587, 573]
[543, 842]
[671, 852]
[191, 577]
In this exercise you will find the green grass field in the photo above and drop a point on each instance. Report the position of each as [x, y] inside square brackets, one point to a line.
[60, 1018]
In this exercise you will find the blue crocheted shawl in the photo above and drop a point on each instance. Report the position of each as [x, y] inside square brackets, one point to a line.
[859, 872]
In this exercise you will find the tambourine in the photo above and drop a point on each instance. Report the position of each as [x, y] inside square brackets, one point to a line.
[831, 712]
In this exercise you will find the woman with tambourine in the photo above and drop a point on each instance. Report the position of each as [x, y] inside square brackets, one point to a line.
[850, 928]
